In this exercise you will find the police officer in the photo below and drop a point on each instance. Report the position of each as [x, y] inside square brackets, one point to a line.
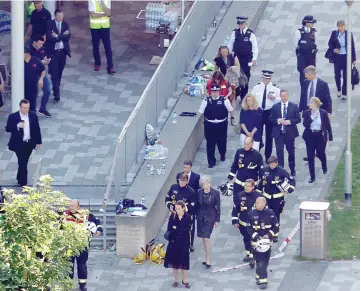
[182, 192]
[305, 43]
[247, 164]
[262, 225]
[75, 214]
[276, 182]
[243, 44]
[215, 109]
[243, 203]
[267, 94]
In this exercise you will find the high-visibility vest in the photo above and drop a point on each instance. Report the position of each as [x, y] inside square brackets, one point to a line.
[102, 22]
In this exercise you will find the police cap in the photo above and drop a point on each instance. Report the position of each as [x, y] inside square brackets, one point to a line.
[309, 19]
[241, 19]
[267, 74]
[215, 87]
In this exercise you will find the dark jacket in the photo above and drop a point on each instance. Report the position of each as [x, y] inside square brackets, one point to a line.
[185, 194]
[334, 43]
[292, 114]
[325, 125]
[243, 203]
[16, 138]
[193, 181]
[51, 41]
[322, 91]
[209, 206]
[223, 67]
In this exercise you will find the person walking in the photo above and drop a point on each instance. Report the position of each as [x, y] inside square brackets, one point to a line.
[58, 45]
[316, 134]
[177, 253]
[285, 116]
[250, 119]
[208, 215]
[25, 137]
[338, 53]
[39, 21]
[224, 59]
[99, 14]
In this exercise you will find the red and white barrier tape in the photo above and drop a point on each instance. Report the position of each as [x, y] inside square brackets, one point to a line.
[290, 236]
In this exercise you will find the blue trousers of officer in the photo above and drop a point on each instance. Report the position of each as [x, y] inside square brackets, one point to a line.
[277, 206]
[216, 135]
[262, 261]
[267, 126]
[283, 140]
[104, 35]
[81, 262]
[46, 93]
[246, 239]
[304, 60]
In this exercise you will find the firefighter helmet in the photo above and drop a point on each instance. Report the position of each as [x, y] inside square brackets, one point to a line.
[263, 245]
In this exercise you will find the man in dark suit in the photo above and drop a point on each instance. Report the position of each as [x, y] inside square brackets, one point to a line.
[314, 87]
[25, 136]
[285, 116]
[193, 182]
[58, 47]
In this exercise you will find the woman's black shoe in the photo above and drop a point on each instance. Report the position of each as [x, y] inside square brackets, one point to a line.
[191, 249]
[186, 285]
[208, 266]
[175, 284]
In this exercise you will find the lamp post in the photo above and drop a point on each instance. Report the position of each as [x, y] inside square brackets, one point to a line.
[348, 154]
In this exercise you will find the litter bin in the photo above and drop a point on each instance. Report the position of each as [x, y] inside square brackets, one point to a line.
[313, 219]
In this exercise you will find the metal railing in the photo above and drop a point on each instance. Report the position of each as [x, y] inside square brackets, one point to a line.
[37, 172]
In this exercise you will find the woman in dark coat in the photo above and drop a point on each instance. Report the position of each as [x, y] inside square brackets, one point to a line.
[177, 255]
[208, 214]
[223, 60]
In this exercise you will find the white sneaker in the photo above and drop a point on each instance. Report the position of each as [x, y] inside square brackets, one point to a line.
[338, 94]
[344, 97]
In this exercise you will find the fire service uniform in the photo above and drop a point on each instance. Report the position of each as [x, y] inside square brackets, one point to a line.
[260, 225]
[82, 259]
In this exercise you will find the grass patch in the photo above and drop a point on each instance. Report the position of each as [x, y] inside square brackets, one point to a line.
[344, 227]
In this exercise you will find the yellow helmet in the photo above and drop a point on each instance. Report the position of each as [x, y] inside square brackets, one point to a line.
[140, 258]
[155, 258]
[160, 250]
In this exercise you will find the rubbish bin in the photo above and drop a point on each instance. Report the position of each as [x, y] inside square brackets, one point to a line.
[313, 219]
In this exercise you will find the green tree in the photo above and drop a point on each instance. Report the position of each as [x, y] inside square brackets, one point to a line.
[32, 225]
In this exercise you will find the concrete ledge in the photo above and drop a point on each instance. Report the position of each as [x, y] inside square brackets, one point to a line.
[182, 140]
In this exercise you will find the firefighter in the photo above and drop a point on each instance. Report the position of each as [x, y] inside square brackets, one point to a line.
[243, 203]
[75, 214]
[182, 192]
[262, 225]
[275, 183]
[247, 164]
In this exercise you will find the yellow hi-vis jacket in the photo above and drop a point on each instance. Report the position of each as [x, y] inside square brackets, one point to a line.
[102, 22]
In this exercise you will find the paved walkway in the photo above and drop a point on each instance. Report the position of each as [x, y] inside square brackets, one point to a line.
[275, 35]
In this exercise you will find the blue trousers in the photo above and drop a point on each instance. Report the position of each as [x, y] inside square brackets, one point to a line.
[46, 92]
[104, 35]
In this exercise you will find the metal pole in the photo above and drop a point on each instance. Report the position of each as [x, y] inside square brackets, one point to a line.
[51, 6]
[182, 8]
[348, 154]
[17, 53]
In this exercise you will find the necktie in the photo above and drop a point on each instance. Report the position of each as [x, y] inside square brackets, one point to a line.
[312, 91]
[284, 111]
[264, 97]
[58, 25]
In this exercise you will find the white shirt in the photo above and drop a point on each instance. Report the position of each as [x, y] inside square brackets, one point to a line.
[316, 120]
[342, 40]
[91, 4]
[59, 45]
[26, 126]
[204, 105]
[309, 88]
[258, 90]
[297, 36]
[253, 40]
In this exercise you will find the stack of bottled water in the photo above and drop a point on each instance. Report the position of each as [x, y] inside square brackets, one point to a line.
[154, 13]
[172, 18]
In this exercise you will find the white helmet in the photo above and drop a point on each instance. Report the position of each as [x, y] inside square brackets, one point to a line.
[226, 189]
[92, 228]
[284, 186]
[263, 245]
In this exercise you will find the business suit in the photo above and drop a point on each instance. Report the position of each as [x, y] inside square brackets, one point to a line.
[193, 182]
[285, 135]
[58, 54]
[322, 91]
[316, 140]
[23, 149]
[208, 213]
[340, 60]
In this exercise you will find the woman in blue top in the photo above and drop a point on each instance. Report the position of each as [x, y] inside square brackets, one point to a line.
[251, 120]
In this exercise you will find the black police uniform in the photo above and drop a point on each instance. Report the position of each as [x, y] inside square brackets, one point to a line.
[306, 51]
[243, 203]
[32, 72]
[246, 165]
[260, 224]
[242, 48]
[215, 128]
[268, 185]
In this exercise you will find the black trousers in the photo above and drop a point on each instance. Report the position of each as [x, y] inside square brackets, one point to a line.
[267, 126]
[216, 135]
[277, 206]
[262, 261]
[340, 67]
[316, 143]
[246, 240]
[23, 154]
[304, 60]
[102, 34]
[193, 228]
[281, 141]
[81, 262]
[56, 68]
[31, 96]
[243, 61]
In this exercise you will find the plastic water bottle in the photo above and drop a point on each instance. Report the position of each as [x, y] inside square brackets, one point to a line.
[143, 200]
[163, 168]
[174, 117]
[148, 169]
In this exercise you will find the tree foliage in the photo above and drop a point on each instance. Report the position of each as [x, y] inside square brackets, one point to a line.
[32, 225]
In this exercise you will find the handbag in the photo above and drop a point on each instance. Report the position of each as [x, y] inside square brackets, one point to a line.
[167, 235]
[355, 77]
